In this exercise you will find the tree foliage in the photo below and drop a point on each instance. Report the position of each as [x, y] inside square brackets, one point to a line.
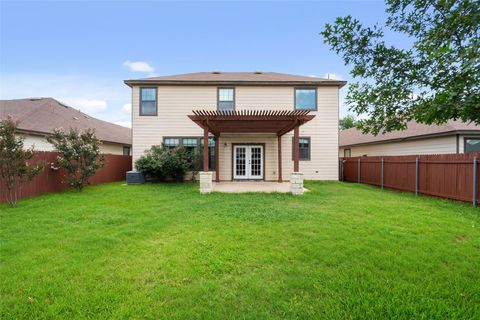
[15, 161]
[163, 163]
[347, 122]
[435, 80]
[79, 154]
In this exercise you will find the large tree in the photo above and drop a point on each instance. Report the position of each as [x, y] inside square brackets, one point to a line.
[433, 81]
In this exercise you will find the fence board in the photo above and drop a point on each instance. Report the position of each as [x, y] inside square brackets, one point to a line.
[442, 175]
[50, 180]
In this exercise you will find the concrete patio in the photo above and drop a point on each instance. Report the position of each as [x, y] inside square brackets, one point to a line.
[251, 186]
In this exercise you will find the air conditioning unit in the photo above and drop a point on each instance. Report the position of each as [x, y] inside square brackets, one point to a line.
[135, 177]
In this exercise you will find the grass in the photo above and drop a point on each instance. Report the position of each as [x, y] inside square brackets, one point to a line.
[341, 251]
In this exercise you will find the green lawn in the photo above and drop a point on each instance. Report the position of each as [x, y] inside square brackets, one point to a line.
[341, 251]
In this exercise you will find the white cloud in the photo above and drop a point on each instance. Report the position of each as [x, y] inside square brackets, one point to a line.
[312, 75]
[139, 66]
[127, 124]
[333, 76]
[127, 108]
[100, 97]
[86, 105]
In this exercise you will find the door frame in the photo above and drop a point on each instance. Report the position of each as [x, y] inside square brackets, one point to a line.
[233, 160]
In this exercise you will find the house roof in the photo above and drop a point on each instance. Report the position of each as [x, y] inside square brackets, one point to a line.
[237, 78]
[43, 115]
[353, 136]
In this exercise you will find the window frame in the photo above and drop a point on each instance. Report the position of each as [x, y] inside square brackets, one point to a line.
[309, 149]
[305, 88]
[465, 143]
[199, 144]
[349, 153]
[140, 111]
[124, 148]
[218, 98]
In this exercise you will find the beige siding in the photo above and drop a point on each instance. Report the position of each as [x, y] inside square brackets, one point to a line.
[40, 143]
[439, 145]
[110, 148]
[176, 102]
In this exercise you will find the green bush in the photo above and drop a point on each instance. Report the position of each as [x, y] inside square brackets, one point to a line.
[161, 163]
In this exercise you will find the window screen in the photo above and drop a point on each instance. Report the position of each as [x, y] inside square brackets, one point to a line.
[148, 101]
[226, 99]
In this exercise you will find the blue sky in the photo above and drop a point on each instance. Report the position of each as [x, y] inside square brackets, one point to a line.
[80, 52]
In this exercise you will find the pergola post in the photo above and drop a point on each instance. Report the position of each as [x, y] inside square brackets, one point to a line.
[206, 181]
[279, 148]
[296, 149]
[205, 149]
[217, 165]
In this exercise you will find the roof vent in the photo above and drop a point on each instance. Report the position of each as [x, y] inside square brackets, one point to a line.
[36, 99]
[216, 72]
[258, 72]
[75, 118]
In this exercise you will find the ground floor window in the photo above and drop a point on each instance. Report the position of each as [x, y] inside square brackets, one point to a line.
[347, 153]
[472, 145]
[304, 148]
[126, 151]
[194, 144]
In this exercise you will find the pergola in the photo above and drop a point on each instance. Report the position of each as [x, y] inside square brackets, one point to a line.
[278, 122]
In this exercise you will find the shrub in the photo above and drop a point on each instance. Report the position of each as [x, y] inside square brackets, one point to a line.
[15, 166]
[79, 154]
[161, 163]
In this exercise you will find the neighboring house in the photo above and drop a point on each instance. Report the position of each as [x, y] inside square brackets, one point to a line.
[38, 117]
[452, 137]
[249, 118]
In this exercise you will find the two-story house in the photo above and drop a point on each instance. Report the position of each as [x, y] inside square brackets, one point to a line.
[259, 125]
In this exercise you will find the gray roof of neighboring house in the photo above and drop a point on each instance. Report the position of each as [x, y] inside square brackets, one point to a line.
[353, 136]
[43, 115]
[237, 78]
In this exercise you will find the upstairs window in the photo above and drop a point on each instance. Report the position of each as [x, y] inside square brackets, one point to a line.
[305, 98]
[126, 151]
[347, 153]
[472, 145]
[148, 101]
[226, 99]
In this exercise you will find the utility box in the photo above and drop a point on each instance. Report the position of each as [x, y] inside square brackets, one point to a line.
[135, 177]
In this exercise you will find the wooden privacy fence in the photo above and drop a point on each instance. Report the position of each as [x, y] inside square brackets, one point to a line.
[452, 176]
[50, 180]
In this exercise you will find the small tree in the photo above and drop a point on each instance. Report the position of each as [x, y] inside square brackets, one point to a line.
[15, 166]
[79, 154]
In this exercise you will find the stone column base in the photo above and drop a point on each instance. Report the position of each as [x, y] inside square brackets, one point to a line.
[206, 182]
[296, 183]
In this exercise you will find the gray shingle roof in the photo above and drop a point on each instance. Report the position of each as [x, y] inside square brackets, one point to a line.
[214, 77]
[43, 115]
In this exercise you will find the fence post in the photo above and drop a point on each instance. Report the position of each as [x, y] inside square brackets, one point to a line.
[416, 176]
[358, 170]
[381, 175]
[475, 182]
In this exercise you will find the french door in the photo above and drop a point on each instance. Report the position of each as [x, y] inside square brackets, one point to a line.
[248, 162]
